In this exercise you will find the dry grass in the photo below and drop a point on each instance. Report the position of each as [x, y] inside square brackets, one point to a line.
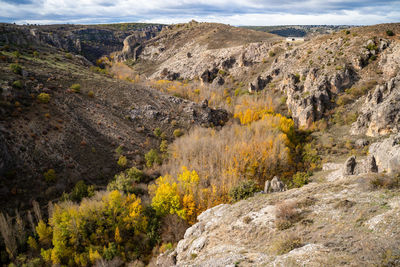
[286, 215]
[285, 243]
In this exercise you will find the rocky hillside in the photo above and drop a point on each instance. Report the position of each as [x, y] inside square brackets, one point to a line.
[316, 76]
[92, 42]
[338, 219]
[58, 114]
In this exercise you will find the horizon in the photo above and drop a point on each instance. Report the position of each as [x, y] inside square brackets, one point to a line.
[235, 12]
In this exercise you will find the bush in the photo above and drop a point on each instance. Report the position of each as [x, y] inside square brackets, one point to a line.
[16, 54]
[76, 88]
[344, 100]
[106, 226]
[91, 94]
[80, 191]
[286, 215]
[36, 54]
[43, 98]
[17, 84]
[178, 133]
[301, 178]
[157, 132]
[389, 33]
[152, 158]
[17, 69]
[372, 46]
[50, 176]
[271, 53]
[122, 161]
[68, 55]
[386, 182]
[125, 180]
[285, 244]
[243, 190]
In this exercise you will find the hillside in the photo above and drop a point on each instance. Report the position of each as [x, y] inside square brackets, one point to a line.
[77, 132]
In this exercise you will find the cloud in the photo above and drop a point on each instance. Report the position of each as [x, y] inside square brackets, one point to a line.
[236, 12]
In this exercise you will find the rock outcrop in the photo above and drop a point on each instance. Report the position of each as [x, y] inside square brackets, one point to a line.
[380, 114]
[387, 154]
[352, 167]
[275, 185]
[92, 42]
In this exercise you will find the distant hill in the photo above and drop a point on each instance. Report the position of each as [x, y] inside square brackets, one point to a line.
[298, 30]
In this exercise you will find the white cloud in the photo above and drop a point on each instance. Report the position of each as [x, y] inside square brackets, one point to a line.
[235, 12]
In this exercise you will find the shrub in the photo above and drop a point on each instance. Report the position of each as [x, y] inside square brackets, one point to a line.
[125, 180]
[91, 230]
[91, 94]
[285, 244]
[50, 176]
[301, 178]
[344, 100]
[152, 158]
[122, 161]
[157, 132]
[243, 190]
[16, 54]
[36, 54]
[17, 84]
[80, 191]
[271, 53]
[164, 146]
[389, 33]
[347, 32]
[386, 182]
[372, 46]
[43, 98]
[17, 69]
[76, 88]
[178, 133]
[286, 215]
[119, 150]
[68, 55]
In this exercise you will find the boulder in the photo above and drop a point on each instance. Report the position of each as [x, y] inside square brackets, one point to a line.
[275, 185]
[349, 166]
[387, 154]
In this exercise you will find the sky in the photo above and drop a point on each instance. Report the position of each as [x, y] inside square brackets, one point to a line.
[233, 12]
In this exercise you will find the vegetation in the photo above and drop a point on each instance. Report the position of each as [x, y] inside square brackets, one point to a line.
[126, 180]
[43, 98]
[243, 190]
[152, 157]
[285, 244]
[17, 84]
[76, 88]
[80, 191]
[389, 33]
[178, 133]
[122, 161]
[17, 69]
[50, 176]
[107, 226]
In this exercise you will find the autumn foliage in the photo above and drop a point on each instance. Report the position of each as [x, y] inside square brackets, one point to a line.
[106, 226]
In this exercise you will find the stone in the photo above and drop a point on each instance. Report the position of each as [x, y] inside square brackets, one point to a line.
[387, 154]
[275, 185]
[360, 143]
[349, 166]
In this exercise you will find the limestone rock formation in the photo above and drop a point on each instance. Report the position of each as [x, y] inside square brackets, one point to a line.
[352, 167]
[275, 185]
[380, 114]
[387, 154]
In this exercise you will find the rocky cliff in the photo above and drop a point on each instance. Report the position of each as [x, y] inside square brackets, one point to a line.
[92, 42]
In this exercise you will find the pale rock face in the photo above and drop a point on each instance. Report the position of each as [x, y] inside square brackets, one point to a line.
[387, 154]
[380, 115]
